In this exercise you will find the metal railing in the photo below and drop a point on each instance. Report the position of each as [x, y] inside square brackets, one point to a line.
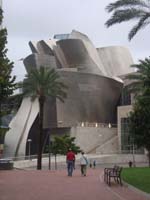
[26, 163]
[96, 124]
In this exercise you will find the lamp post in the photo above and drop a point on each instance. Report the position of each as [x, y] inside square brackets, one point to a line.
[109, 125]
[29, 150]
[49, 152]
[133, 153]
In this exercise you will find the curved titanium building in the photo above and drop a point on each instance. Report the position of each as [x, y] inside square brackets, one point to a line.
[94, 87]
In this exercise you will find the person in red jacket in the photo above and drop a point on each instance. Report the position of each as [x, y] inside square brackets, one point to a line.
[70, 159]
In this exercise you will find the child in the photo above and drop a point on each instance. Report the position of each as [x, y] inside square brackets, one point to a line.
[130, 163]
[90, 164]
[94, 164]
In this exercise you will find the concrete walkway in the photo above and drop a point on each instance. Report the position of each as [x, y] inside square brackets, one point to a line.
[56, 185]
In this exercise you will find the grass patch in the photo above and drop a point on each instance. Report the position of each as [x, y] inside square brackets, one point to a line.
[139, 177]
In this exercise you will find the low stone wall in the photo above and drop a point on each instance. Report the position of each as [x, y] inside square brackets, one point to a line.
[119, 159]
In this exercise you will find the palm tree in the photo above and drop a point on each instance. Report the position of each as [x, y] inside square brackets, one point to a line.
[140, 116]
[125, 10]
[41, 83]
[140, 84]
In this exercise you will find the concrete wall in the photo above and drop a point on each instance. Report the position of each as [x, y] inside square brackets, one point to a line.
[119, 159]
[109, 147]
[90, 139]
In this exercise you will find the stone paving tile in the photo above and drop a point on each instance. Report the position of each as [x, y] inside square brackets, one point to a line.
[56, 185]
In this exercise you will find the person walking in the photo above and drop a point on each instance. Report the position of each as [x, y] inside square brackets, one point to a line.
[70, 159]
[83, 164]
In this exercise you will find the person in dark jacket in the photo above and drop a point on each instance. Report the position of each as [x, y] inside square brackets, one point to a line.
[70, 159]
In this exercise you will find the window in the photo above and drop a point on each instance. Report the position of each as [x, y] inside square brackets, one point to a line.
[61, 36]
[125, 97]
[126, 140]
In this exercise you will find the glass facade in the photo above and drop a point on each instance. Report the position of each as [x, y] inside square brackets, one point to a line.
[125, 97]
[125, 138]
[61, 36]
[127, 143]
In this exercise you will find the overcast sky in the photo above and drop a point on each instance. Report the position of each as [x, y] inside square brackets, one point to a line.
[35, 20]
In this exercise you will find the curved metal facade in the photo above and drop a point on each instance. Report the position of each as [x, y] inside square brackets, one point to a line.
[92, 77]
[90, 98]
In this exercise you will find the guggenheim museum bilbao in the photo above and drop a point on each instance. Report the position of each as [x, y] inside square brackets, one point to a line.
[94, 77]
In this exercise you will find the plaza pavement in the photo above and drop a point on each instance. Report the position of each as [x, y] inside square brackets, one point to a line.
[56, 185]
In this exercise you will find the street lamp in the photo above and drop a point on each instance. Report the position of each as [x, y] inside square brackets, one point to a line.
[109, 125]
[29, 150]
[133, 153]
[49, 152]
[82, 124]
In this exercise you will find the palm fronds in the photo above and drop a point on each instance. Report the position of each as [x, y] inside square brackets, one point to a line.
[141, 79]
[126, 3]
[124, 15]
[126, 10]
[43, 82]
[140, 25]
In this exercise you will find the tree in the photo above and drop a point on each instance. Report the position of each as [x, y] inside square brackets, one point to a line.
[41, 83]
[13, 103]
[7, 84]
[140, 84]
[126, 10]
[61, 145]
[139, 125]
[64, 143]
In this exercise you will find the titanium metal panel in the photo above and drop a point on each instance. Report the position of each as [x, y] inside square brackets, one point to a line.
[90, 98]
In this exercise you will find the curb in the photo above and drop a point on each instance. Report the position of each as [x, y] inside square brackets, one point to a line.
[136, 189]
